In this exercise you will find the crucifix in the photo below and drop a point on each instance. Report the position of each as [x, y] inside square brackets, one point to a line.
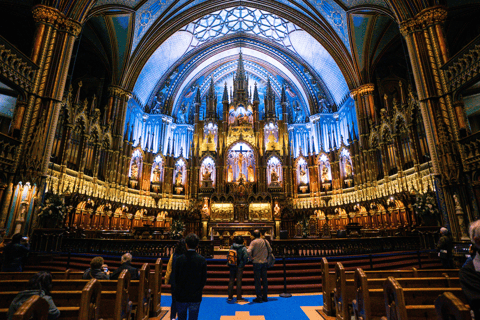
[240, 158]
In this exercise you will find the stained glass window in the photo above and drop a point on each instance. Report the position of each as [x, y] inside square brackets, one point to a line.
[243, 19]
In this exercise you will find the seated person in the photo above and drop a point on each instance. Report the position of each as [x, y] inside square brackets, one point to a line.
[40, 284]
[126, 265]
[14, 253]
[470, 273]
[95, 270]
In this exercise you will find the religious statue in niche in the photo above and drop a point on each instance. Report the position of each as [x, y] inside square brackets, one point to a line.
[325, 177]
[298, 113]
[230, 174]
[348, 168]
[156, 174]
[271, 142]
[205, 211]
[134, 170]
[251, 175]
[276, 210]
[303, 176]
[179, 179]
[182, 115]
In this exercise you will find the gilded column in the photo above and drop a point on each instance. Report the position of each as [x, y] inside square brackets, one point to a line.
[427, 47]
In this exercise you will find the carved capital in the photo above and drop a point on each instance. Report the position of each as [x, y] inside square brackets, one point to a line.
[44, 14]
[362, 90]
[424, 19]
[71, 27]
[119, 92]
[48, 15]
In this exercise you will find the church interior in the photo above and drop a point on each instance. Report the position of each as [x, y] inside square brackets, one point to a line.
[335, 127]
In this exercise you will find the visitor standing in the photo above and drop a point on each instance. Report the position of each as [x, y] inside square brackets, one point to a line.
[170, 275]
[470, 272]
[445, 247]
[237, 258]
[258, 252]
[190, 278]
[14, 253]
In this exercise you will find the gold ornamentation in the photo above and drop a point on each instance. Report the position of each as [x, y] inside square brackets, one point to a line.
[424, 19]
[117, 91]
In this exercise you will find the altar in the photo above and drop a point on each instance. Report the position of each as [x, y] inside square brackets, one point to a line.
[222, 233]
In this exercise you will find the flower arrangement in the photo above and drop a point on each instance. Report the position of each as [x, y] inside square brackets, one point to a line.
[53, 210]
[426, 207]
[177, 228]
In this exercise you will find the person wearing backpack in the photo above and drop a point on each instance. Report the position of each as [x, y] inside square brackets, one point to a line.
[237, 258]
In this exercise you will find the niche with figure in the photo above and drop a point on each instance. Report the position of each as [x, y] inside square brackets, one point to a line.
[241, 163]
[274, 173]
[325, 172]
[346, 165]
[303, 179]
[179, 176]
[135, 168]
[156, 176]
[207, 173]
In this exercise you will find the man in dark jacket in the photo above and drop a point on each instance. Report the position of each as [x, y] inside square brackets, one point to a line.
[470, 273]
[126, 265]
[14, 253]
[190, 278]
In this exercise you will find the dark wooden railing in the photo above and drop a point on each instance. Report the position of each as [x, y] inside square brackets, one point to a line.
[137, 247]
[344, 246]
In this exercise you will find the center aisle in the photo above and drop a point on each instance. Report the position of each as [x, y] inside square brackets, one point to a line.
[217, 308]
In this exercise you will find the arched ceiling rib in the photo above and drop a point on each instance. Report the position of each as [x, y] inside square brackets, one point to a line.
[252, 21]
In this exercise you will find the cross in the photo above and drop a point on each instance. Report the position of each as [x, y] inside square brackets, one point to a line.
[241, 150]
[242, 315]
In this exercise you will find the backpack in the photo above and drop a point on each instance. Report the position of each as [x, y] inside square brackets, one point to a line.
[232, 258]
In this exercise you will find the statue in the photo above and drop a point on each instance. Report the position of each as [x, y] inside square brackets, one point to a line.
[303, 176]
[205, 212]
[207, 175]
[210, 137]
[276, 210]
[348, 169]
[156, 174]
[251, 174]
[273, 176]
[134, 170]
[325, 174]
[182, 114]
[229, 174]
[178, 178]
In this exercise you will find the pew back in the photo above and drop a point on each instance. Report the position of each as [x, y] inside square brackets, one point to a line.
[35, 308]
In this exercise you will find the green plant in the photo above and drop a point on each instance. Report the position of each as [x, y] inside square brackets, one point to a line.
[426, 206]
[53, 209]
[177, 228]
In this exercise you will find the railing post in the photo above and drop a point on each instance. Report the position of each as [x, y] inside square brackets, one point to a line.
[371, 261]
[285, 294]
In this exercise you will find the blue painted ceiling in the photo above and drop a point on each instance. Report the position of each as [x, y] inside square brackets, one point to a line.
[275, 47]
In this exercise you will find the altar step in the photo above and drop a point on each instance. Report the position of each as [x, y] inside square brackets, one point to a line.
[302, 274]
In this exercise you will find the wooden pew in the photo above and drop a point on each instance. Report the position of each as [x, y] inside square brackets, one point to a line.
[411, 303]
[449, 307]
[142, 295]
[115, 293]
[26, 275]
[73, 304]
[328, 286]
[35, 308]
[368, 302]
[342, 296]
[155, 282]
[329, 283]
